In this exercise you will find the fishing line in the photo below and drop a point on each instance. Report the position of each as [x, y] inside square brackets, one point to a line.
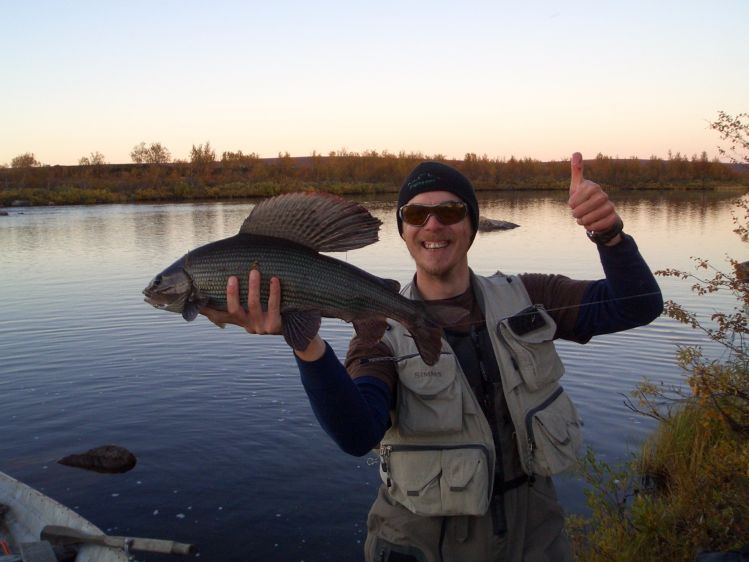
[569, 307]
[604, 301]
[366, 360]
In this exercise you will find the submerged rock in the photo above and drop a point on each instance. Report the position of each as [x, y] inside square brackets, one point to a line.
[489, 225]
[107, 458]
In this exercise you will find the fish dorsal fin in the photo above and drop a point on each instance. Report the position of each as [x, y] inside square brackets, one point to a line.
[321, 221]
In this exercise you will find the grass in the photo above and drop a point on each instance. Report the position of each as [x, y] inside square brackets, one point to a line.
[687, 491]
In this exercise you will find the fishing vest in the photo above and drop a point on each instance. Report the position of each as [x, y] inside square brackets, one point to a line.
[438, 457]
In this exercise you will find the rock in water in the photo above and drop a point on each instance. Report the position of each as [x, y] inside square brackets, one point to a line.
[107, 458]
[488, 225]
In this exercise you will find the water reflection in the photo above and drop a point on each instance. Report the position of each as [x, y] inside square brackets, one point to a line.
[218, 419]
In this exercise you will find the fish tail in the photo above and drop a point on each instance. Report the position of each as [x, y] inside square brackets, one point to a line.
[427, 336]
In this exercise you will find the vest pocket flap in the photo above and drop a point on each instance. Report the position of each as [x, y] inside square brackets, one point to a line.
[535, 325]
[415, 472]
[554, 426]
[459, 467]
[437, 480]
[427, 381]
[429, 398]
[534, 356]
[555, 431]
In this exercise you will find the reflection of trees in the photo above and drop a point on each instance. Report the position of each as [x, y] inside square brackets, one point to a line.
[672, 208]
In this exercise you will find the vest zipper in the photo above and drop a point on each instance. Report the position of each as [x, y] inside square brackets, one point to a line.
[384, 456]
[487, 396]
[385, 451]
[529, 438]
[529, 425]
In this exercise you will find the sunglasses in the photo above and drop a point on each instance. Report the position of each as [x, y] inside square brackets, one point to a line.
[447, 213]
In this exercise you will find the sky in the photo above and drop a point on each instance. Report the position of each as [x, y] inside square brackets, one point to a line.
[526, 79]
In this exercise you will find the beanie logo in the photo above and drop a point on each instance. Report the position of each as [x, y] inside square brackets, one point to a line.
[422, 180]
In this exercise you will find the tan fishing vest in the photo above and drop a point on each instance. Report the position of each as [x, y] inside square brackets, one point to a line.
[438, 457]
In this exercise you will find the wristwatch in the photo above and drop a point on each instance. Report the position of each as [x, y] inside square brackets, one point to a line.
[607, 235]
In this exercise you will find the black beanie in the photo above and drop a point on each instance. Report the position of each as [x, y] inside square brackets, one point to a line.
[436, 176]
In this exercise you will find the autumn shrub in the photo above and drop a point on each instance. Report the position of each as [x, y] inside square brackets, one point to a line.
[687, 490]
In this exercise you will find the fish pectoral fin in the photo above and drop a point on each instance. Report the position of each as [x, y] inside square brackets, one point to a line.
[193, 306]
[370, 330]
[299, 327]
[190, 311]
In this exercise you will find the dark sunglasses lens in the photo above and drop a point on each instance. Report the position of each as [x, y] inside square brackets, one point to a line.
[449, 213]
[446, 213]
[415, 215]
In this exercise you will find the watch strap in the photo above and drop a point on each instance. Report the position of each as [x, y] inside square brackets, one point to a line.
[606, 236]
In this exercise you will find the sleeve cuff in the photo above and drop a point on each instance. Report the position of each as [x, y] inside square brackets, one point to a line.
[625, 247]
[323, 372]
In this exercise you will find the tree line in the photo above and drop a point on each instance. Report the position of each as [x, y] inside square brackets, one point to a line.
[154, 175]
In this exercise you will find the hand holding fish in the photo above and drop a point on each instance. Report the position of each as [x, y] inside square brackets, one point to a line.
[255, 320]
[591, 205]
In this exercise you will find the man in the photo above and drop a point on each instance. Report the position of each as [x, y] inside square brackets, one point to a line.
[468, 445]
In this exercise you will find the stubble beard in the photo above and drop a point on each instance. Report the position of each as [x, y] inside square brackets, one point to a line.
[441, 272]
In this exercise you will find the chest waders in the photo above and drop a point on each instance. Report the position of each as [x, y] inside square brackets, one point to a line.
[442, 461]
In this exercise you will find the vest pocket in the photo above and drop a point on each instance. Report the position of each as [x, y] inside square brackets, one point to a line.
[554, 435]
[437, 480]
[533, 353]
[430, 399]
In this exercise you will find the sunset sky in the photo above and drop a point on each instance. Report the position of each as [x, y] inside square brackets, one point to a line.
[537, 79]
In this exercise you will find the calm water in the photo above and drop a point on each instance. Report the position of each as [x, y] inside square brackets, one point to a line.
[229, 454]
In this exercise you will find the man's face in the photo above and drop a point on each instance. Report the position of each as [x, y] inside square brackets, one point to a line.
[439, 250]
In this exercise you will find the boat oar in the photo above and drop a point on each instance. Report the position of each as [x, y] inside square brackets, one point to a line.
[57, 534]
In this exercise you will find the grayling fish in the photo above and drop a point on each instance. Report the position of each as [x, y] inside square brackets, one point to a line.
[282, 238]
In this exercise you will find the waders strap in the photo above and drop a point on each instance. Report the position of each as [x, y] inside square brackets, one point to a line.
[499, 521]
[500, 486]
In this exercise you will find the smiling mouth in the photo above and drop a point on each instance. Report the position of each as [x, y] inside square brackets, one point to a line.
[435, 245]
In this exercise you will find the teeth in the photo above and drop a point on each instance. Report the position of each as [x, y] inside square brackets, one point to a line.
[435, 245]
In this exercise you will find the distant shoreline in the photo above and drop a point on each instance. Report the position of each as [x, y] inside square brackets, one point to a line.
[251, 177]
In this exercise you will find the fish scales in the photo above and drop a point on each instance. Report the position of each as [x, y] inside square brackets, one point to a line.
[309, 280]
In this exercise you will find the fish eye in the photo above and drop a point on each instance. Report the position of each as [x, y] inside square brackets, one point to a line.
[156, 281]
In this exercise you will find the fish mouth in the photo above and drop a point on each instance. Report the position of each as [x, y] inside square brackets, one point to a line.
[155, 301]
[161, 293]
[172, 303]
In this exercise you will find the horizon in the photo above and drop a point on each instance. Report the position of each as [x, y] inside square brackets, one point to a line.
[417, 155]
[538, 82]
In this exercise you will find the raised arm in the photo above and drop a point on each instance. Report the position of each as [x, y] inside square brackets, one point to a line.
[629, 296]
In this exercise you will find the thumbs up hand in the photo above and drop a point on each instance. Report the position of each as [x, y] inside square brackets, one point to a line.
[589, 203]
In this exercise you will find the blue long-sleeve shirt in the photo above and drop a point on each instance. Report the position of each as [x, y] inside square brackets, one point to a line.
[356, 412]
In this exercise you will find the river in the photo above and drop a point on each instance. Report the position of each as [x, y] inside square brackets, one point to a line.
[229, 454]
